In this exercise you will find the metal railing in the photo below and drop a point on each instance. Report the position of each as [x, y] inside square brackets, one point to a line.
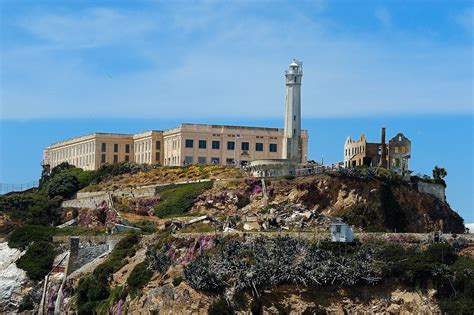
[6, 188]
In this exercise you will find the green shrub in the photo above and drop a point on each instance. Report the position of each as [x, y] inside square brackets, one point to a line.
[38, 260]
[179, 199]
[177, 280]
[139, 276]
[23, 236]
[64, 185]
[93, 290]
[220, 307]
[31, 208]
[256, 306]
[115, 294]
[147, 227]
[26, 303]
[116, 260]
[283, 309]
[90, 292]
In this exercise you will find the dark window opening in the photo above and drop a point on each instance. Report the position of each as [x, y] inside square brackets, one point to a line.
[189, 143]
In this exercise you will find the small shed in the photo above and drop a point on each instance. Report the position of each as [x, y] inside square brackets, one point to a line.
[341, 232]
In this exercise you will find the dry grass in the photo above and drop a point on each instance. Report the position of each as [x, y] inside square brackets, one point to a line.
[167, 175]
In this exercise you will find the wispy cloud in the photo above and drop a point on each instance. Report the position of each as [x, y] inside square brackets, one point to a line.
[383, 16]
[92, 28]
[466, 20]
[220, 59]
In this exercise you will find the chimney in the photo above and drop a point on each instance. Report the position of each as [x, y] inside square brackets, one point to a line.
[383, 162]
[73, 254]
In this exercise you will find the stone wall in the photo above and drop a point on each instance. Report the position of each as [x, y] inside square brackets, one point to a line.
[435, 190]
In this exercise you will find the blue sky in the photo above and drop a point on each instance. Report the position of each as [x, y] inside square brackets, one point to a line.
[72, 67]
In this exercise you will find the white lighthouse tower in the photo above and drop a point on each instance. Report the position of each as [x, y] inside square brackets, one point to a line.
[292, 144]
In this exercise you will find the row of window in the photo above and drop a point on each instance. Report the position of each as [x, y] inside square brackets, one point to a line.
[103, 158]
[188, 160]
[127, 147]
[216, 145]
[355, 150]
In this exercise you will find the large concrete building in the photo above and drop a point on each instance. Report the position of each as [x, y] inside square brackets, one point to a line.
[393, 155]
[197, 143]
[184, 145]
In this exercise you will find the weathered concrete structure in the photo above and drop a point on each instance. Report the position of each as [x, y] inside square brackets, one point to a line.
[184, 145]
[394, 155]
[294, 143]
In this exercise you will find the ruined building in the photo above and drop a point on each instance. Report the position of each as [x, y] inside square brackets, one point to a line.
[393, 155]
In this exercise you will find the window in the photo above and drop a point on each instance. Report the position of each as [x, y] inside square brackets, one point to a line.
[245, 146]
[338, 229]
[157, 156]
[202, 160]
[104, 147]
[273, 147]
[188, 160]
[189, 143]
[115, 158]
[202, 144]
[258, 146]
[404, 149]
[396, 149]
[216, 145]
[158, 145]
[102, 158]
[215, 160]
[230, 161]
[397, 162]
[115, 147]
[127, 148]
[230, 145]
[127, 158]
[294, 117]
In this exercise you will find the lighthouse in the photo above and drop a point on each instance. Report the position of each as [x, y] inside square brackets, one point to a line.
[292, 144]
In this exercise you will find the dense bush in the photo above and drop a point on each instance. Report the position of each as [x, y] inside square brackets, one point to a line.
[90, 292]
[220, 307]
[31, 208]
[178, 199]
[26, 303]
[64, 185]
[38, 260]
[116, 260]
[93, 291]
[139, 276]
[23, 236]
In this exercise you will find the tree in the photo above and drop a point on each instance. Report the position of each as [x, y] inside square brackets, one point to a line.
[439, 173]
[64, 184]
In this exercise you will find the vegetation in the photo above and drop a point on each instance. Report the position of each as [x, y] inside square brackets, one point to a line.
[93, 290]
[25, 235]
[178, 199]
[38, 260]
[220, 307]
[31, 208]
[26, 303]
[64, 185]
[139, 276]
[439, 173]
[177, 280]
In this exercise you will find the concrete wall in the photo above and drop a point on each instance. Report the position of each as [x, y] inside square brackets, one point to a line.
[435, 190]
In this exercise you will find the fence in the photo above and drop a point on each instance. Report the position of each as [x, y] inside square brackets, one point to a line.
[6, 188]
